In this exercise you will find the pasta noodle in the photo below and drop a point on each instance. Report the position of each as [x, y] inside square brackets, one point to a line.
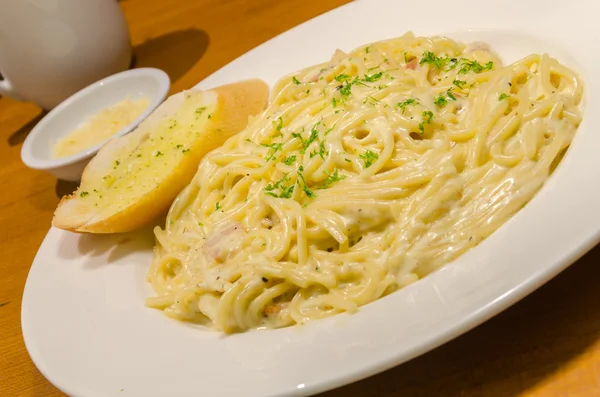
[363, 175]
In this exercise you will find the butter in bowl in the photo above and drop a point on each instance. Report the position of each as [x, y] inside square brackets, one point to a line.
[65, 140]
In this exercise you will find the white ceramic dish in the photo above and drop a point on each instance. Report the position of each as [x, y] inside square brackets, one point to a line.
[36, 152]
[83, 315]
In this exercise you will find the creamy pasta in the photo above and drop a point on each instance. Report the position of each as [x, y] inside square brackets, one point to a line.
[363, 175]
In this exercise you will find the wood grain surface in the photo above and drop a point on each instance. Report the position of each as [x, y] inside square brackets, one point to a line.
[546, 345]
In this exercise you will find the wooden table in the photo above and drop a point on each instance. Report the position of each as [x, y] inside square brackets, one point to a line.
[546, 345]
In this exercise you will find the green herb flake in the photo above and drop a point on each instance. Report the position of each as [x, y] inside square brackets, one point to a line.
[342, 78]
[373, 77]
[411, 101]
[367, 49]
[322, 152]
[450, 94]
[309, 193]
[427, 117]
[474, 66]
[503, 96]
[295, 80]
[440, 101]
[218, 206]
[200, 224]
[200, 110]
[370, 157]
[273, 149]
[346, 90]
[158, 153]
[334, 102]
[372, 101]
[459, 83]
[83, 194]
[435, 61]
[331, 179]
[347, 160]
[314, 133]
[289, 160]
[285, 191]
[279, 124]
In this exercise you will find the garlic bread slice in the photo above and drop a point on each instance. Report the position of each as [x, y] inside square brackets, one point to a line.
[135, 178]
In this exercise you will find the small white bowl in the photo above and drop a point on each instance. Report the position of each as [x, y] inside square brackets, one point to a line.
[152, 84]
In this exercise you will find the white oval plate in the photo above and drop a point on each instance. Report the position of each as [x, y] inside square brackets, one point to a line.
[84, 320]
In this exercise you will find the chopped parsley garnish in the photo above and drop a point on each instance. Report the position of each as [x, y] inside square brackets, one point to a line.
[295, 80]
[309, 193]
[346, 90]
[279, 124]
[373, 77]
[342, 78]
[185, 150]
[158, 153]
[331, 179]
[209, 116]
[371, 100]
[411, 101]
[314, 133]
[435, 61]
[440, 101]
[450, 94]
[218, 206]
[348, 160]
[321, 153]
[178, 146]
[367, 49]
[459, 83]
[200, 110]
[474, 66]
[200, 224]
[117, 162]
[370, 157]
[503, 96]
[83, 194]
[273, 149]
[289, 160]
[333, 102]
[428, 115]
[285, 191]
